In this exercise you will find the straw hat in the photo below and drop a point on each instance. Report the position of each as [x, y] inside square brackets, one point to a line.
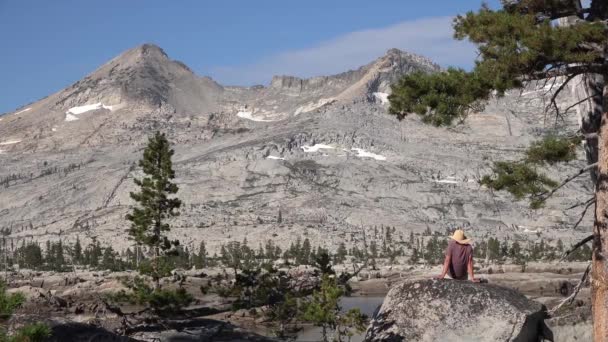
[460, 238]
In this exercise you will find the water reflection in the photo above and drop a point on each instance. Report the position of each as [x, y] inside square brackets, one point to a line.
[367, 305]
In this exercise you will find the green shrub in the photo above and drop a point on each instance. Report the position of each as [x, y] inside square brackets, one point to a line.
[161, 301]
[35, 332]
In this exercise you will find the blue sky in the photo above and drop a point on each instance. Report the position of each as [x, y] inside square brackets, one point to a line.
[47, 45]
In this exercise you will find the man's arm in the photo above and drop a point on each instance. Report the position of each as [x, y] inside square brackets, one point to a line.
[446, 265]
[470, 270]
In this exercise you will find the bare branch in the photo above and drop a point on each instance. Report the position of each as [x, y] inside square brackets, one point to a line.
[571, 298]
[552, 85]
[576, 246]
[548, 194]
[591, 200]
[579, 102]
[580, 219]
[553, 100]
[590, 136]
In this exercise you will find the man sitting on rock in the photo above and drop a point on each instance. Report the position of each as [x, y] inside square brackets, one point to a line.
[458, 258]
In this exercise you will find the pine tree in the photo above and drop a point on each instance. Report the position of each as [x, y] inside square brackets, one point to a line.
[30, 256]
[322, 261]
[130, 259]
[560, 246]
[59, 256]
[373, 254]
[153, 205]
[202, 256]
[340, 253]
[108, 260]
[77, 252]
[515, 251]
[304, 257]
[519, 43]
[232, 256]
[415, 256]
[504, 249]
[323, 310]
[493, 249]
[49, 256]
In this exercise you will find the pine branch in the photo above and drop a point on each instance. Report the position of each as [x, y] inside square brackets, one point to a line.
[571, 298]
[575, 247]
[546, 195]
[569, 70]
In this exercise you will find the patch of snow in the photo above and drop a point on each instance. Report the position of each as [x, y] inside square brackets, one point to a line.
[551, 86]
[86, 108]
[54, 129]
[530, 231]
[529, 92]
[365, 154]
[10, 142]
[547, 88]
[312, 106]
[249, 116]
[383, 97]
[446, 180]
[70, 115]
[23, 111]
[275, 158]
[316, 147]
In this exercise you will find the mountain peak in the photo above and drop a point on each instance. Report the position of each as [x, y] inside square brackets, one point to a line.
[150, 49]
[396, 56]
[149, 54]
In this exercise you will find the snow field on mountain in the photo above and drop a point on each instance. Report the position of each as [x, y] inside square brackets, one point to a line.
[71, 114]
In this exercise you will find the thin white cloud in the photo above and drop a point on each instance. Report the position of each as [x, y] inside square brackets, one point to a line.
[430, 37]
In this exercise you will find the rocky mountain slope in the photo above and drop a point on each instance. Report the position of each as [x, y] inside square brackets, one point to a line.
[317, 158]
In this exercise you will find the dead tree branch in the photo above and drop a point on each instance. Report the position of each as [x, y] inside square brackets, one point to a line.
[579, 102]
[553, 101]
[575, 247]
[580, 219]
[591, 200]
[548, 194]
[571, 298]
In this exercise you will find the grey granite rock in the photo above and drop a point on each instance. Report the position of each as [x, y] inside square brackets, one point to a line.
[450, 310]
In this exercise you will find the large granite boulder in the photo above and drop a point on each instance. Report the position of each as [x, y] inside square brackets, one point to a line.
[450, 310]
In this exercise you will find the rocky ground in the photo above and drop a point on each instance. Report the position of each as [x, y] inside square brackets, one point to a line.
[76, 302]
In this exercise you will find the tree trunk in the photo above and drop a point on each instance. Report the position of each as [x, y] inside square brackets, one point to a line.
[588, 90]
[599, 278]
[156, 271]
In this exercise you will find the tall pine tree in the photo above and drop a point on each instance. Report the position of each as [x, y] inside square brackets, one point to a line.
[519, 43]
[154, 206]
